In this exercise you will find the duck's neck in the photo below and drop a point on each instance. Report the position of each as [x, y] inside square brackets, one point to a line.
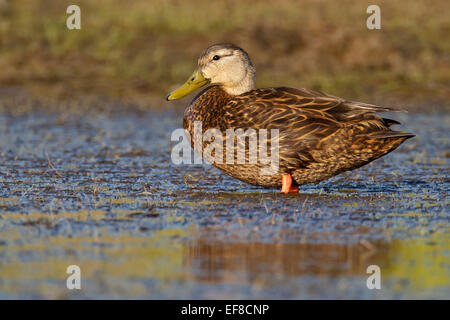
[246, 84]
[208, 102]
[207, 107]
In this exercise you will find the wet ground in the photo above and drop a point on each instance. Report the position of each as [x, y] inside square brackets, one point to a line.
[100, 191]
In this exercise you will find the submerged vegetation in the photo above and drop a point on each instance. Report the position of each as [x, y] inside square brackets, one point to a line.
[80, 190]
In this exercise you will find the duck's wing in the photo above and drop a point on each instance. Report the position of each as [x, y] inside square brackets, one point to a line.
[346, 112]
[283, 105]
[305, 119]
[338, 108]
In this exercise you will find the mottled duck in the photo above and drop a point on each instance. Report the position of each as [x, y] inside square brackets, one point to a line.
[319, 135]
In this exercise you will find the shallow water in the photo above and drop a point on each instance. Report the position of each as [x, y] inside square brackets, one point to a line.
[101, 192]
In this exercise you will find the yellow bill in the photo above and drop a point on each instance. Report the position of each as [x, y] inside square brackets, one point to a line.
[196, 80]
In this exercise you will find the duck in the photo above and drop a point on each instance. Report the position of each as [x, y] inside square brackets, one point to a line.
[316, 135]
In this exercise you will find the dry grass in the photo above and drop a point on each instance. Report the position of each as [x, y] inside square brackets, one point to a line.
[141, 48]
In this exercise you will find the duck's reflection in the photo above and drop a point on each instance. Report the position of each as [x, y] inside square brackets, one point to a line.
[218, 261]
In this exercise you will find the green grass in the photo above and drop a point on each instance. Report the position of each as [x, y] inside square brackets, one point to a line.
[141, 48]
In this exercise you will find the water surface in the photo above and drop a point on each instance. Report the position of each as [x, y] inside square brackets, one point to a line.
[100, 191]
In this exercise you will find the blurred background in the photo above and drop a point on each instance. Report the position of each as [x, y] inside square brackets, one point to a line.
[139, 49]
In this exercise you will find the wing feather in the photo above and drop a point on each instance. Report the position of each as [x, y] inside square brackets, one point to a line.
[306, 119]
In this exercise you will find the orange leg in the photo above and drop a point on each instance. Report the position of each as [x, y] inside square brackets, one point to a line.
[287, 185]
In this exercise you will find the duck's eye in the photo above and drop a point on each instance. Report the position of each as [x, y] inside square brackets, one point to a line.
[216, 58]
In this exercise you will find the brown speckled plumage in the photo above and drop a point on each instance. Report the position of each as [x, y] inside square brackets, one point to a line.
[320, 135]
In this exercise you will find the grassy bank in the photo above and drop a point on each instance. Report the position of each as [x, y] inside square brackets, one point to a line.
[138, 49]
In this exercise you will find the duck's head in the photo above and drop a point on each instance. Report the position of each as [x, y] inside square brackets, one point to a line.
[221, 64]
